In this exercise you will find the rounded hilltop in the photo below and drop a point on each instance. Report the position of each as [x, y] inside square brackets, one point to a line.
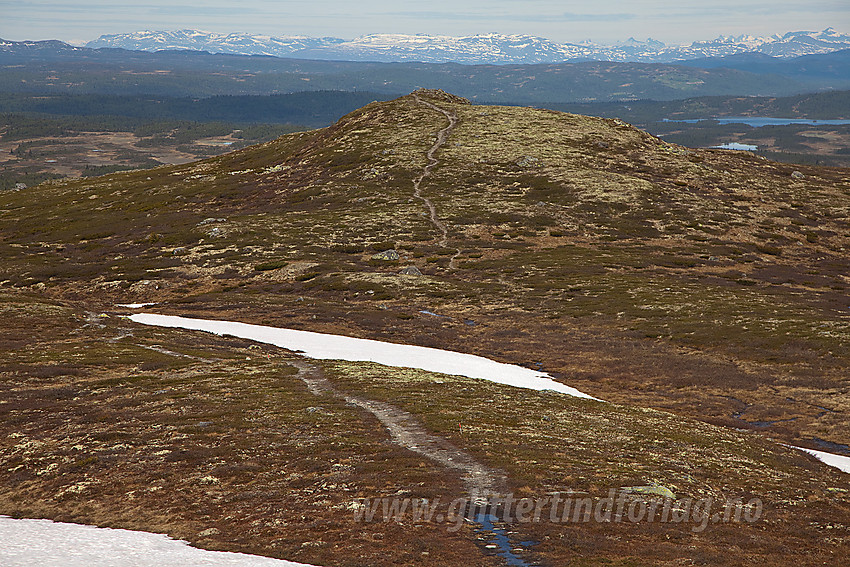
[703, 293]
[441, 95]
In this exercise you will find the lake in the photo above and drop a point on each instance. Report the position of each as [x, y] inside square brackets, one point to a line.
[758, 122]
[737, 146]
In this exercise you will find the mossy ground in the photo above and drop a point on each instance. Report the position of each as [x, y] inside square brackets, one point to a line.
[108, 423]
[115, 424]
[710, 284]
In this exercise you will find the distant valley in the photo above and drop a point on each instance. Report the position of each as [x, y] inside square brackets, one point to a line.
[50, 136]
[56, 67]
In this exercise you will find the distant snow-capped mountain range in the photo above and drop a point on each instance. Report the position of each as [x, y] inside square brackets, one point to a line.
[483, 48]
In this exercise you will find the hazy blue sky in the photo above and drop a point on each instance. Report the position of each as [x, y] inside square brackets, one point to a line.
[602, 21]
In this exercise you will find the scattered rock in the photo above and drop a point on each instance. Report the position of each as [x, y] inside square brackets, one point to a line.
[442, 95]
[371, 173]
[208, 532]
[528, 161]
[653, 490]
[603, 145]
[798, 175]
[386, 255]
[210, 221]
[19, 186]
[410, 271]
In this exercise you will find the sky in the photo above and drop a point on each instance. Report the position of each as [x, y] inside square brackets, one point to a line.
[602, 21]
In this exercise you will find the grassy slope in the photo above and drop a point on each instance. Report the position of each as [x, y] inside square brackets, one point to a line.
[219, 444]
[700, 282]
[611, 239]
[815, 145]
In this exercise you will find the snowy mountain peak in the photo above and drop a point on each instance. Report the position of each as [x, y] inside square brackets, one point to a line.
[491, 48]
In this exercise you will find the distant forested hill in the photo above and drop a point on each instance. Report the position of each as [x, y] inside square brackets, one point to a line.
[317, 108]
[58, 68]
[828, 105]
[828, 68]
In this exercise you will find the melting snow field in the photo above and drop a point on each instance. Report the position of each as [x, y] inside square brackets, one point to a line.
[335, 347]
[25, 542]
[838, 461]
[43, 543]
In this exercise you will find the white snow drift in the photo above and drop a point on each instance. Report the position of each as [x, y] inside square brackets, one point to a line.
[838, 461]
[336, 347]
[27, 543]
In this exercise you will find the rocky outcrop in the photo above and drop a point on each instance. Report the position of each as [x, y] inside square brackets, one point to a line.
[441, 95]
[389, 255]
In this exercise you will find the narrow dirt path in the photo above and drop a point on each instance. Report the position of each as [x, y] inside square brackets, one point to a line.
[480, 481]
[442, 137]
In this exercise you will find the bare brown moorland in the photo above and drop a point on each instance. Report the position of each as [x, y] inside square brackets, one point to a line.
[703, 293]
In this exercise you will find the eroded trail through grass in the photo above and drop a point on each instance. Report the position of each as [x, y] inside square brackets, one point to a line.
[479, 480]
[442, 137]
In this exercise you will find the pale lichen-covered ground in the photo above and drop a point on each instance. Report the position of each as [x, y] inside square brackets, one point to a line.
[703, 293]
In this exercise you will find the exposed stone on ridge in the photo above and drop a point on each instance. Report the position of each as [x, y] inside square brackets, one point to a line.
[386, 255]
[440, 94]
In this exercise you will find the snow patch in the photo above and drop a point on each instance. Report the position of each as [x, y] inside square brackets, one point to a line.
[475, 49]
[134, 305]
[25, 543]
[841, 462]
[336, 347]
